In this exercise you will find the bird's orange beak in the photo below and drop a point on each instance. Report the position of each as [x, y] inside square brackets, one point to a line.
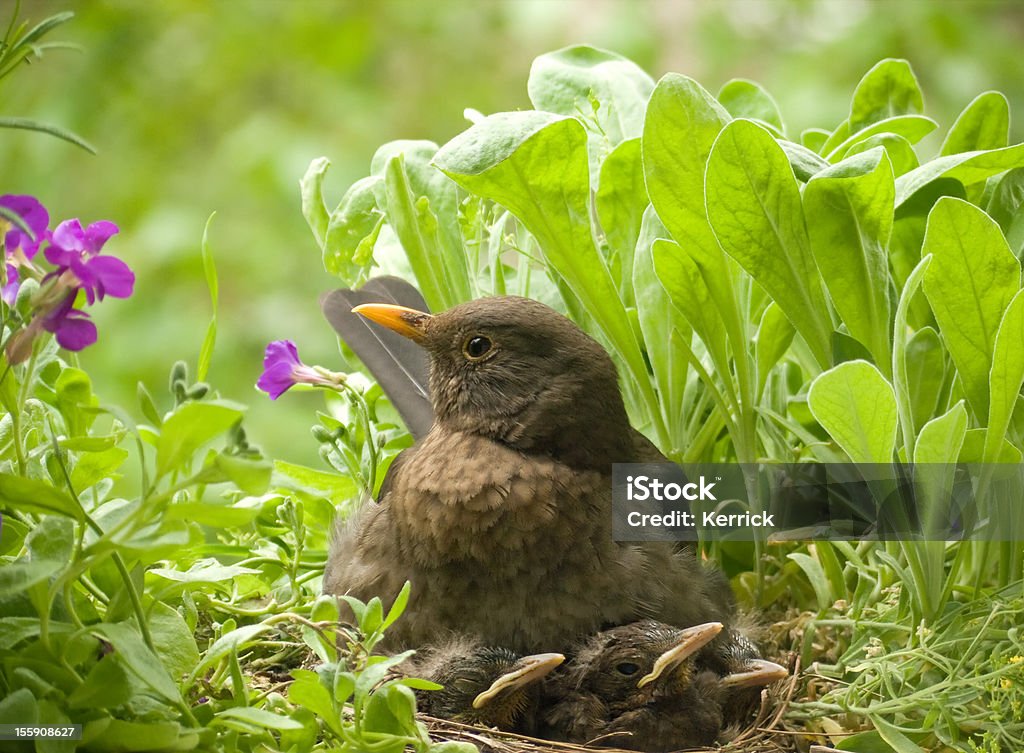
[527, 670]
[757, 673]
[690, 641]
[406, 322]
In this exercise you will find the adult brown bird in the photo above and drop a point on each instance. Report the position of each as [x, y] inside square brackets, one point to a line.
[500, 515]
[485, 685]
[638, 687]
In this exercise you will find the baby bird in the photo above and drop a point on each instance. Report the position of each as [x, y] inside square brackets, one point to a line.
[484, 685]
[638, 687]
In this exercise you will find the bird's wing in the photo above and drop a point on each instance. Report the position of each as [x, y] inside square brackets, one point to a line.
[398, 364]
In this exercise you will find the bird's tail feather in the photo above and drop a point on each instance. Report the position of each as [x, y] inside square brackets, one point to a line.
[399, 365]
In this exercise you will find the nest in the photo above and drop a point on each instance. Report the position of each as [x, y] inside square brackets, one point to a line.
[766, 733]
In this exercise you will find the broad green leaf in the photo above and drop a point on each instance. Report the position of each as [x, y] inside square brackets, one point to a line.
[74, 392]
[849, 211]
[913, 128]
[568, 81]
[173, 639]
[20, 707]
[774, 336]
[968, 168]
[313, 207]
[658, 318]
[108, 735]
[899, 742]
[233, 640]
[901, 154]
[984, 124]
[753, 204]
[306, 691]
[31, 495]
[926, 367]
[18, 577]
[941, 438]
[535, 165]
[973, 450]
[889, 89]
[691, 298]
[251, 475]
[814, 139]
[972, 277]
[192, 425]
[334, 486]
[748, 99]
[856, 406]
[1006, 377]
[620, 201]
[138, 658]
[683, 121]
[397, 606]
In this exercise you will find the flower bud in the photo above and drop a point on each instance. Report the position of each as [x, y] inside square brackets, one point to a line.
[23, 302]
[321, 434]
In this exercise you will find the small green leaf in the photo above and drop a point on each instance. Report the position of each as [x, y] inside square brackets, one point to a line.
[984, 124]
[889, 89]
[899, 742]
[926, 373]
[191, 426]
[968, 168]
[137, 656]
[857, 407]
[352, 231]
[398, 606]
[106, 686]
[748, 99]
[900, 152]
[258, 718]
[942, 438]
[313, 207]
[620, 201]
[93, 467]
[774, 336]
[210, 273]
[816, 575]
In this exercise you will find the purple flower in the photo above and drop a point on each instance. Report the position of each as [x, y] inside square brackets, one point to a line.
[34, 216]
[282, 369]
[9, 292]
[77, 249]
[72, 327]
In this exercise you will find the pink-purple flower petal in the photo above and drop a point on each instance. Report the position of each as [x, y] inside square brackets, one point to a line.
[34, 215]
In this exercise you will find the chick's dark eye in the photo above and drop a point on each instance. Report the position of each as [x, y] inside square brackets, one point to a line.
[477, 347]
[627, 668]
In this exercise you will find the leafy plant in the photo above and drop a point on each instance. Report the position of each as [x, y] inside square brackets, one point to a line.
[834, 295]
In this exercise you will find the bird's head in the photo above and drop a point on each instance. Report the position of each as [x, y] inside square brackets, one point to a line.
[491, 686]
[636, 664]
[517, 371]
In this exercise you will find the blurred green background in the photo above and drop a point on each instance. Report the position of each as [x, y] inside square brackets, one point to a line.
[200, 106]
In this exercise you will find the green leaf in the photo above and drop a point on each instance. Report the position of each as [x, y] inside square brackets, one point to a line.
[251, 475]
[748, 99]
[108, 735]
[255, 718]
[1006, 377]
[984, 124]
[849, 210]
[753, 204]
[913, 128]
[926, 373]
[313, 207]
[353, 230]
[423, 210]
[173, 639]
[232, 641]
[566, 81]
[620, 201]
[805, 163]
[398, 606]
[968, 168]
[138, 658]
[210, 273]
[857, 407]
[93, 467]
[306, 691]
[333, 486]
[774, 336]
[942, 438]
[106, 686]
[683, 121]
[19, 577]
[535, 165]
[1006, 206]
[899, 742]
[27, 124]
[74, 392]
[900, 152]
[889, 89]
[31, 495]
[19, 707]
[969, 284]
[816, 575]
[814, 139]
[192, 425]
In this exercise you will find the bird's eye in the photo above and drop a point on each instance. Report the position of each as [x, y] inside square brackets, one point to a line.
[477, 347]
[627, 668]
